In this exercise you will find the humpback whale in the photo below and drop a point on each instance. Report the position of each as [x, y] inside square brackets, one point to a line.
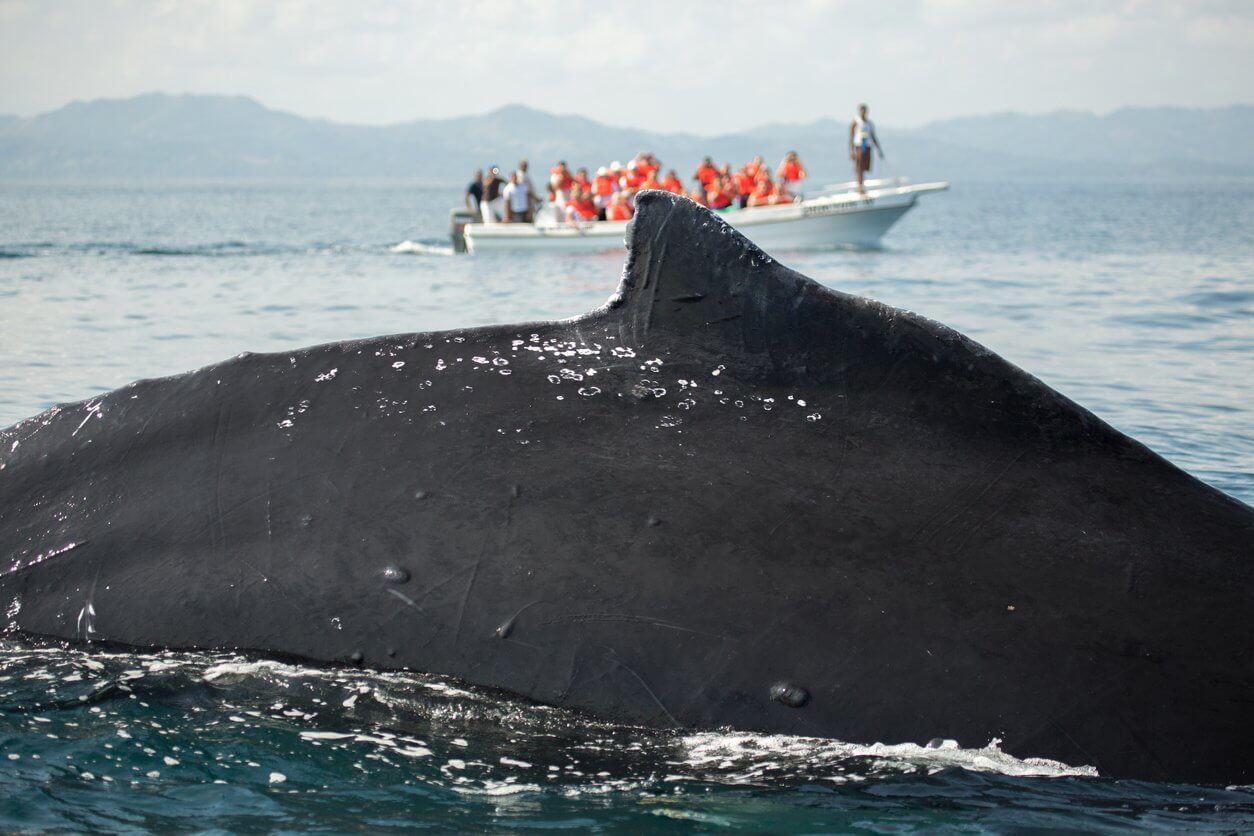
[731, 497]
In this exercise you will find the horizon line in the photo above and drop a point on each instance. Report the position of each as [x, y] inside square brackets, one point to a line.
[534, 109]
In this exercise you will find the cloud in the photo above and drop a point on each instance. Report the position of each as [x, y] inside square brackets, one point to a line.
[1229, 32]
[699, 65]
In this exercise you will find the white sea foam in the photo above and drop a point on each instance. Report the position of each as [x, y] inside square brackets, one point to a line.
[754, 756]
[418, 248]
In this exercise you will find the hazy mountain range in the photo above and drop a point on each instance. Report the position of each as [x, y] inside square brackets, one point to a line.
[165, 136]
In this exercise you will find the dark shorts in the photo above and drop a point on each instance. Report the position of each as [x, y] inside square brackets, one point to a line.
[519, 217]
[863, 158]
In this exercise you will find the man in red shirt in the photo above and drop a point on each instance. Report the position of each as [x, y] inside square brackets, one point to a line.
[705, 173]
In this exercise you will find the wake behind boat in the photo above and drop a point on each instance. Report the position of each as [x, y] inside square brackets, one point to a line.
[838, 216]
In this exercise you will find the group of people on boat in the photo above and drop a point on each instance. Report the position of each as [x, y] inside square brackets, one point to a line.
[580, 196]
[609, 195]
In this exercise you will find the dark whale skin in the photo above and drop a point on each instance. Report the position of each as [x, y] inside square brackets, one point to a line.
[730, 498]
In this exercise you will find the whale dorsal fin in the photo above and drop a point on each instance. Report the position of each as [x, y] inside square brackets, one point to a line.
[690, 277]
[689, 273]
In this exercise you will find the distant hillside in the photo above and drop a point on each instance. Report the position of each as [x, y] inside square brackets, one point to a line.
[164, 136]
[1139, 136]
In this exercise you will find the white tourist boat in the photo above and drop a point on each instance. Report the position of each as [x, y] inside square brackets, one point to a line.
[837, 216]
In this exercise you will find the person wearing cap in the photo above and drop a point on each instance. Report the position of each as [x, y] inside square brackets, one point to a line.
[493, 206]
[631, 178]
[603, 188]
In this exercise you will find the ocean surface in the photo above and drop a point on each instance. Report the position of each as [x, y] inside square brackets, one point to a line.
[1136, 300]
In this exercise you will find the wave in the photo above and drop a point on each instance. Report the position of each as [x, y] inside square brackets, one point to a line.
[217, 249]
[1225, 300]
[124, 248]
[419, 248]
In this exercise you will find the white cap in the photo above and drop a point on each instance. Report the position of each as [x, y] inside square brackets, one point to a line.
[616, 166]
[602, 171]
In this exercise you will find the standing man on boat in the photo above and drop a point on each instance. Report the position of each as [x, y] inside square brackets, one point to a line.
[861, 138]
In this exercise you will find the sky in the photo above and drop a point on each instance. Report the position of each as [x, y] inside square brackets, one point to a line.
[677, 65]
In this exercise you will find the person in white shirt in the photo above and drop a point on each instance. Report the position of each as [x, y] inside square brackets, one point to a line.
[524, 180]
[861, 138]
[517, 200]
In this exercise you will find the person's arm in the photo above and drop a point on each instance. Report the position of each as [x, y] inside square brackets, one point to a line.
[875, 140]
[466, 199]
[853, 126]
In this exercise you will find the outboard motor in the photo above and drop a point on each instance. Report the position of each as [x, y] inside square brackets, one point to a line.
[457, 220]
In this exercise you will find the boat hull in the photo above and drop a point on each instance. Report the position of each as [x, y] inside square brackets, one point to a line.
[829, 221]
[864, 226]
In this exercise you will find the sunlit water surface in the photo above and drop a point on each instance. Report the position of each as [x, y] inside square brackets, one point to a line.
[1135, 300]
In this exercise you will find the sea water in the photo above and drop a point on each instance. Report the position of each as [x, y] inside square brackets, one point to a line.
[1136, 300]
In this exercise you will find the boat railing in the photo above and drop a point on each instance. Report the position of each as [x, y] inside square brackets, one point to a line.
[852, 185]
